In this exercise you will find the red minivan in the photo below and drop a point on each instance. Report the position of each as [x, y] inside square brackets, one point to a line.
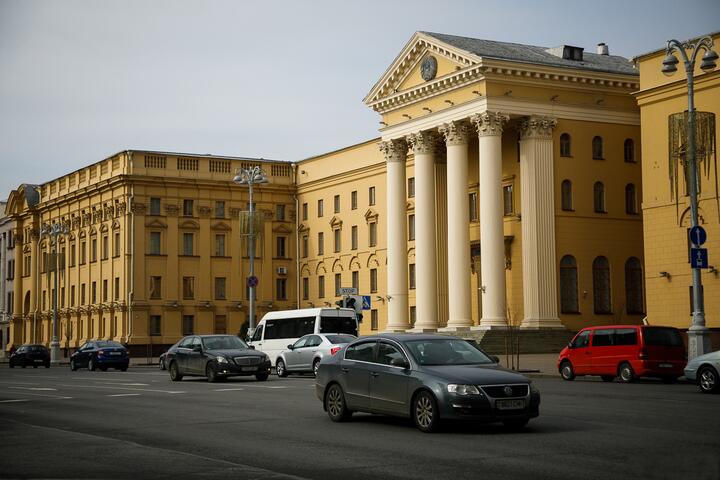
[625, 351]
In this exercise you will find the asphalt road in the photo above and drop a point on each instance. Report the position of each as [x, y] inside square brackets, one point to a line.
[55, 423]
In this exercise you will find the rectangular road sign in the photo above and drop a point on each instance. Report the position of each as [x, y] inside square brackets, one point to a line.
[348, 291]
[366, 303]
[699, 257]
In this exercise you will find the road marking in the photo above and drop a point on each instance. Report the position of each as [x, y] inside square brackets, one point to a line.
[58, 397]
[126, 384]
[123, 388]
[229, 389]
[125, 395]
[13, 401]
[43, 389]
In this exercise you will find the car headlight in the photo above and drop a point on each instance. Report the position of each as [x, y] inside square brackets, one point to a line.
[534, 389]
[221, 359]
[463, 389]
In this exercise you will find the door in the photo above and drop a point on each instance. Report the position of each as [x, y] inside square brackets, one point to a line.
[355, 370]
[183, 353]
[307, 352]
[196, 357]
[292, 356]
[389, 384]
[85, 354]
[257, 338]
[604, 353]
[580, 353]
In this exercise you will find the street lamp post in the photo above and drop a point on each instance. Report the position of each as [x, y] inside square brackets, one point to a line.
[54, 231]
[698, 334]
[250, 177]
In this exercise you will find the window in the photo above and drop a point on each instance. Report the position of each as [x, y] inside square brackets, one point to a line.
[105, 291]
[597, 148]
[155, 288]
[473, 199]
[27, 264]
[187, 208]
[634, 286]
[154, 243]
[304, 211]
[321, 243]
[371, 196]
[582, 340]
[188, 243]
[220, 209]
[630, 200]
[411, 276]
[220, 288]
[155, 325]
[601, 286]
[599, 197]
[281, 289]
[337, 242]
[93, 296]
[305, 288]
[280, 212]
[356, 280]
[508, 206]
[566, 195]
[280, 244]
[411, 187]
[220, 325]
[629, 150]
[362, 352]
[602, 338]
[568, 285]
[354, 237]
[338, 283]
[93, 250]
[305, 246]
[413, 315]
[188, 325]
[625, 336]
[62, 297]
[220, 245]
[116, 296]
[154, 206]
[373, 233]
[320, 208]
[565, 145]
[116, 245]
[83, 252]
[321, 286]
[336, 204]
[353, 200]
[72, 295]
[411, 226]
[373, 280]
[188, 288]
[105, 247]
[374, 325]
[82, 294]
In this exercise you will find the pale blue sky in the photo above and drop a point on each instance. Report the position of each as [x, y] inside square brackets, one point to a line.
[82, 80]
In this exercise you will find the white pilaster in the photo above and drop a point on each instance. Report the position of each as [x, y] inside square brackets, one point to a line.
[395, 152]
[538, 223]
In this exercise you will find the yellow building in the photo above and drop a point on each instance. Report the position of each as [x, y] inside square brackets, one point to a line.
[666, 203]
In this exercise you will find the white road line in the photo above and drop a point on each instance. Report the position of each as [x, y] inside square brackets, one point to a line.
[123, 388]
[126, 384]
[44, 389]
[58, 397]
[14, 401]
[229, 389]
[125, 395]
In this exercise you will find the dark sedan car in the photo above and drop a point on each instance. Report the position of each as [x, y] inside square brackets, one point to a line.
[161, 360]
[426, 377]
[30, 356]
[102, 354]
[216, 357]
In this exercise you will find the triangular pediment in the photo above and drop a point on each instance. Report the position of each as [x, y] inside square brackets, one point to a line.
[220, 226]
[156, 224]
[189, 225]
[282, 229]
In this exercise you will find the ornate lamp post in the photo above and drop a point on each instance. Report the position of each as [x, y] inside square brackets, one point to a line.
[54, 231]
[698, 338]
[251, 226]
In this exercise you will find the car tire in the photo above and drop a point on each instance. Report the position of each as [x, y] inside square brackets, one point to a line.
[73, 367]
[425, 412]
[607, 378]
[315, 366]
[626, 373]
[262, 377]
[280, 368]
[92, 366]
[104, 369]
[47, 365]
[211, 372]
[175, 374]
[335, 404]
[566, 371]
[161, 364]
[708, 379]
[515, 423]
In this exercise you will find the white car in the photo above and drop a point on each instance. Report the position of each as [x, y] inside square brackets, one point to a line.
[704, 370]
[306, 353]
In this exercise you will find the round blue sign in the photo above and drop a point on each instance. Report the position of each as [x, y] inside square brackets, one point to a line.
[698, 235]
[252, 281]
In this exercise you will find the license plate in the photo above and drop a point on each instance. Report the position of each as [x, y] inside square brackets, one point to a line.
[510, 404]
[38, 360]
[248, 369]
[115, 353]
[665, 365]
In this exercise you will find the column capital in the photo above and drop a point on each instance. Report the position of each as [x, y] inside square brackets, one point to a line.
[537, 127]
[456, 133]
[489, 123]
[425, 142]
[394, 150]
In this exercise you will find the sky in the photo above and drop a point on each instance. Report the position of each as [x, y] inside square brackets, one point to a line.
[81, 80]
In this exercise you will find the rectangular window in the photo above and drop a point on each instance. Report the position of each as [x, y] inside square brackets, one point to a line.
[188, 288]
[62, 297]
[373, 233]
[508, 204]
[72, 255]
[82, 294]
[105, 247]
[188, 325]
[336, 204]
[220, 325]
[305, 246]
[304, 211]
[219, 209]
[353, 200]
[371, 196]
[321, 286]
[220, 245]
[472, 198]
[188, 243]
[338, 283]
[72, 295]
[413, 315]
[411, 226]
[155, 325]
[373, 319]
[105, 291]
[116, 244]
[373, 280]
[411, 276]
[411, 187]
[321, 243]
[356, 280]
[220, 288]
[154, 206]
[83, 252]
[305, 288]
[26, 265]
[338, 245]
[155, 287]
[154, 248]
[93, 296]
[116, 297]
[354, 237]
[281, 241]
[280, 212]
[93, 250]
[281, 289]
[187, 208]
[320, 208]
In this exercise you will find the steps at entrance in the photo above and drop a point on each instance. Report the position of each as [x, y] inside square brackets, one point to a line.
[497, 342]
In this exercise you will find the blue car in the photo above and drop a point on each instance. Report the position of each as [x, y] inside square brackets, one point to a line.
[100, 354]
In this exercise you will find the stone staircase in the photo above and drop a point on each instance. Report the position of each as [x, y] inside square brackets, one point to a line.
[497, 341]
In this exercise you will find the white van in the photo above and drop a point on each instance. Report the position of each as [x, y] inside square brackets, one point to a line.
[277, 330]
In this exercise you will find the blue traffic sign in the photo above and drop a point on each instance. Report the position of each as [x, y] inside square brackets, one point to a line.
[698, 235]
[252, 281]
[367, 303]
[699, 258]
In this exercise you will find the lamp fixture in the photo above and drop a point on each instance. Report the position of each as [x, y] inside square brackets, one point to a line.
[665, 274]
[450, 102]
[427, 109]
[407, 116]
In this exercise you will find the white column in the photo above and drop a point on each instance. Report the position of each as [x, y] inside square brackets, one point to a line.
[538, 223]
[492, 239]
[424, 145]
[395, 152]
[458, 234]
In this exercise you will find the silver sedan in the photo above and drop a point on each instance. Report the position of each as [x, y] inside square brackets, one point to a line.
[704, 370]
[306, 353]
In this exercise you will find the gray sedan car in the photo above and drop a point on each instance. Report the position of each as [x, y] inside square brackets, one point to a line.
[426, 377]
[306, 353]
[704, 370]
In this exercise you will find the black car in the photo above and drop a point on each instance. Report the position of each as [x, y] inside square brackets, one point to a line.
[428, 378]
[30, 355]
[216, 357]
[161, 360]
[102, 354]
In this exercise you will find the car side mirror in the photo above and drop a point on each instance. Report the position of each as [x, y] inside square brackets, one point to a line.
[197, 348]
[494, 358]
[399, 362]
[570, 345]
[251, 347]
[290, 347]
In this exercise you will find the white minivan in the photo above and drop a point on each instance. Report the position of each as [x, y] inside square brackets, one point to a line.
[278, 329]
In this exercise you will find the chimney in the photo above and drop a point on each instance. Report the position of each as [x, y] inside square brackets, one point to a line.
[602, 49]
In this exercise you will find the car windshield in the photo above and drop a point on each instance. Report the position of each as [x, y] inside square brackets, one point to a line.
[335, 339]
[664, 337]
[446, 352]
[228, 342]
[105, 344]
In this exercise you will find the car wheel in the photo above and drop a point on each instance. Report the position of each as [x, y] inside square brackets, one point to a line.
[73, 367]
[175, 374]
[161, 364]
[626, 373]
[515, 423]
[607, 378]
[566, 371]
[335, 404]
[261, 377]
[708, 379]
[280, 368]
[211, 372]
[91, 365]
[425, 412]
[104, 369]
[316, 366]
[47, 365]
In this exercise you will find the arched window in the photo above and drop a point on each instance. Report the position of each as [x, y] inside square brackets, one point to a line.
[599, 197]
[565, 145]
[567, 195]
[629, 149]
[597, 148]
[633, 286]
[601, 285]
[568, 285]
[630, 200]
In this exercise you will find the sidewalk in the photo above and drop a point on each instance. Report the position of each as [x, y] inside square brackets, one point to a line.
[534, 364]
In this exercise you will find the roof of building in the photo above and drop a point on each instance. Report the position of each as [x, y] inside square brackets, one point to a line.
[636, 58]
[516, 52]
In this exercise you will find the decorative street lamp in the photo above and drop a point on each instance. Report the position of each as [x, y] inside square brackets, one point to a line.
[54, 231]
[251, 227]
[698, 335]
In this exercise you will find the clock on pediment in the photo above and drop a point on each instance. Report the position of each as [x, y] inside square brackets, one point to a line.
[428, 68]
